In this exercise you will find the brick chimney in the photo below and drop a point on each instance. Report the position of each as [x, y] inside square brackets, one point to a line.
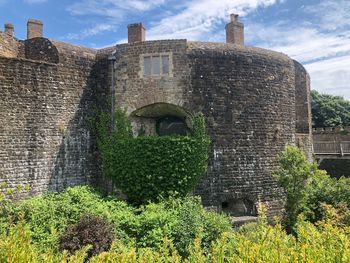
[136, 33]
[9, 29]
[235, 31]
[34, 28]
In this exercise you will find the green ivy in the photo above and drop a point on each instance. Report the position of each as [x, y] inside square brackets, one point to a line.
[148, 167]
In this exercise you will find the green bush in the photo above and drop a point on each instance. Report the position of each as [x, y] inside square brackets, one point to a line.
[324, 243]
[47, 217]
[324, 189]
[309, 190]
[148, 167]
[179, 219]
[293, 175]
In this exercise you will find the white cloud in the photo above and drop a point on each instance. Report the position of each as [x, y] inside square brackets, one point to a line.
[112, 8]
[35, 1]
[332, 15]
[321, 42]
[113, 11]
[192, 19]
[198, 19]
[99, 28]
[302, 43]
[331, 76]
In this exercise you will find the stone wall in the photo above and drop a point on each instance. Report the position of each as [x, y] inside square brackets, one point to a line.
[302, 100]
[248, 98]
[303, 110]
[45, 139]
[133, 91]
[8, 46]
[255, 102]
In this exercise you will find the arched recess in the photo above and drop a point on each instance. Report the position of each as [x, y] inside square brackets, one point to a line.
[162, 119]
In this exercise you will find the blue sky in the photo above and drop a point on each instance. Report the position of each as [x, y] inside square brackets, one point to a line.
[314, 32]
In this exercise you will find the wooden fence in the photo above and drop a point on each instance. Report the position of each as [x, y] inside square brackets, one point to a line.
[332, 147]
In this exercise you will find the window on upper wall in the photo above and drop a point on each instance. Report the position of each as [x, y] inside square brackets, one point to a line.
[156, 65]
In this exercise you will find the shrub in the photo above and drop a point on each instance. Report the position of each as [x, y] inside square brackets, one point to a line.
[309, 190]
[293, 176]
[48, 216]
[148, 167]
[90, 230]
[179, 219]
[193, 221]
[324, 189]
[324, 243]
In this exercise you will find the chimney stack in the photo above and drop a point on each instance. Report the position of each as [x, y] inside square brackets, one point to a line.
[34, 28]
[9, 29]
[136, 33]
[235, 31]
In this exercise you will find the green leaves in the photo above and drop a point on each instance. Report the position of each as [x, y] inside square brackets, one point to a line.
[329, 111]
[293, 175]
[148, 167]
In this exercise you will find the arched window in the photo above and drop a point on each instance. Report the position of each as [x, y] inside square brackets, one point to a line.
[171, 125]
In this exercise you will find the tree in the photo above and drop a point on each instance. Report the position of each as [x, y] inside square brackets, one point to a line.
[329, 110]
[293, 175]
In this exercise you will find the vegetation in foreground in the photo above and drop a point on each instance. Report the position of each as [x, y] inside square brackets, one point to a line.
[173, 230]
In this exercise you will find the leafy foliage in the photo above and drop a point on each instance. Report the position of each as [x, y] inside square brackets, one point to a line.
[47, 217]
[148, 167]
[329, 111]
[293, 175]
[90, 230]
[323, 189]
[323, 243]
[179, 219]
[311, 191]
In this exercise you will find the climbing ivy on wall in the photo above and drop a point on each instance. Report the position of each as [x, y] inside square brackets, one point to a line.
[148, 167]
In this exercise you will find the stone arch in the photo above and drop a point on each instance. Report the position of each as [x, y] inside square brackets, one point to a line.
[162, 119]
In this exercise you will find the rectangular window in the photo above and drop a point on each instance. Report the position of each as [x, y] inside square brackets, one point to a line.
[157, 65]
[165, 64]
[147, 65]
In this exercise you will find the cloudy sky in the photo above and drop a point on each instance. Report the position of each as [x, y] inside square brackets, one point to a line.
[314, 32]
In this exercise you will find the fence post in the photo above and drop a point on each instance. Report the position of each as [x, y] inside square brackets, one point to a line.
[341, 149]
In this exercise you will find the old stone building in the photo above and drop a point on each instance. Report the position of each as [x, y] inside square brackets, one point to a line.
[255, 102]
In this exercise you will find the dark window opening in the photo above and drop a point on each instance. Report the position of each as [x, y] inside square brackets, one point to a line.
[239, 207]
[171, 126]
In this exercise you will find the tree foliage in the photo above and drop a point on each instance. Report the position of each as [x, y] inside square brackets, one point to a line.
[148, 167]
[293, 176]
[329, 111]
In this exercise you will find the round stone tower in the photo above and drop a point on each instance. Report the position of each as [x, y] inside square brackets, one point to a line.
[255, 101]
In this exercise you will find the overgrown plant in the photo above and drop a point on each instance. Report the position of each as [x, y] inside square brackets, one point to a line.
[323, 189]
[323, 243]
[293, 175]
[148, 167]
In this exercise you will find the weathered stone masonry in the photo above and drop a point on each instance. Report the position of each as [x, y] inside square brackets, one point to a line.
[46, 101]
[255, 102]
